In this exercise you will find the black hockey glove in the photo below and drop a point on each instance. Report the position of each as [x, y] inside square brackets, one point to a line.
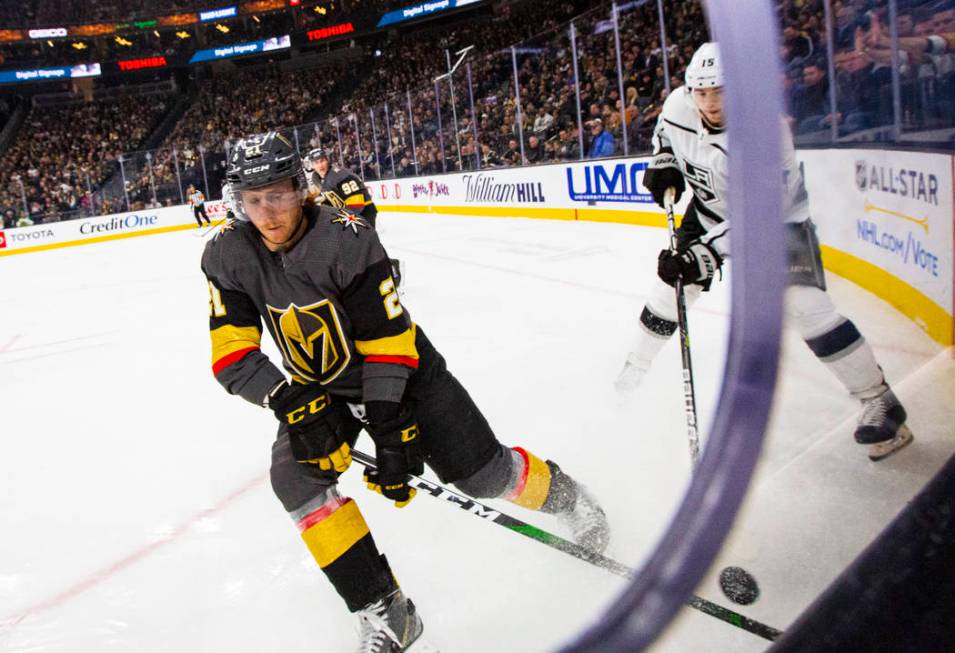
[395, 432]
[695, 264]
[315, 429]
[664, 172]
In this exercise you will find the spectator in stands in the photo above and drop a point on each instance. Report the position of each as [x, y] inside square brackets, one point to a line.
[513, 155]
[534, 151]
[810, 101]
[489, 158]
[602, 144]
[568, 148]
[543, 123]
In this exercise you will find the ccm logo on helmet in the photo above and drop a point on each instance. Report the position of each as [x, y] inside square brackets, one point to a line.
[252, 171]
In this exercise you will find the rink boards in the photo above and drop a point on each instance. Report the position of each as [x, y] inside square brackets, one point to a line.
[885, 218]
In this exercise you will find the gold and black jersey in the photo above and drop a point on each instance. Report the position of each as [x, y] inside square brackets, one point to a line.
[343, 189]
[330, 305]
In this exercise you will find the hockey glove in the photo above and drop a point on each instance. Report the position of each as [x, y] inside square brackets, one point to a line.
[395, 432]
[695, 264]
[315, 430]
[664, 172]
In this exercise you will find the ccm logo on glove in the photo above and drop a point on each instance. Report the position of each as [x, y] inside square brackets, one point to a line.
[410, 433]
[314, 407]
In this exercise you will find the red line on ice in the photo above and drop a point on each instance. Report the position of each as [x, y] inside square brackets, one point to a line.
[101, 575]
[9, 343]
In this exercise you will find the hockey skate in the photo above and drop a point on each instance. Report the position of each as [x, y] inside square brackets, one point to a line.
[391, 625]
[631, 376]
[587, 522]
[882, 425]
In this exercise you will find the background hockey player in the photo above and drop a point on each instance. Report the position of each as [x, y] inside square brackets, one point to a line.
[341, 188]
[227, 201]
[320, 279]
[690, 148]
[197, 201]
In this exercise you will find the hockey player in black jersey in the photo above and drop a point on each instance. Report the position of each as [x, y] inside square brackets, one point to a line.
[319, 279]
[690, 148]
[341, 188]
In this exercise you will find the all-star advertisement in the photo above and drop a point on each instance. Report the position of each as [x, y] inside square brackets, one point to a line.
[891, 211]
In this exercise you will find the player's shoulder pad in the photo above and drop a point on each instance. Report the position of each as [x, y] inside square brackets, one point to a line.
[230, 245]
[342, 175]
[337, 224]
[678, 108]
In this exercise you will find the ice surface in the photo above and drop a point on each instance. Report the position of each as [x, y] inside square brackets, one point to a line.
[137, 514]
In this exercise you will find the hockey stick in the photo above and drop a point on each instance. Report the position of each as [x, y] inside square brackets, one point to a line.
[689, 391]
[582, 553]
[205, 232]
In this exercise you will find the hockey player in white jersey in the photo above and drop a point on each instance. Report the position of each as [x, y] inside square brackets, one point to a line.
[689, 144]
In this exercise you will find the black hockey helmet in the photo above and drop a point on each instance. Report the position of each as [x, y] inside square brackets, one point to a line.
[316, 154]
[260, 160]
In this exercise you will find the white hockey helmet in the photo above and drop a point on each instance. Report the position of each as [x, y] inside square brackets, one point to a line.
[706, 68]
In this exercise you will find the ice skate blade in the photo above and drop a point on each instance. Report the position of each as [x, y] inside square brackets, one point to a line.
[881, 450]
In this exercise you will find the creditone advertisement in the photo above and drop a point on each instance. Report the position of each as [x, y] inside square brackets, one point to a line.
[885, 220]
[42, 237]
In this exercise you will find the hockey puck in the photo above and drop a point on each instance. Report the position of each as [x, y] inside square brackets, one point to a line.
[738, 585]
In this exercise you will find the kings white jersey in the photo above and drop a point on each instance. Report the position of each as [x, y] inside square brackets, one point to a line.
[703, 158]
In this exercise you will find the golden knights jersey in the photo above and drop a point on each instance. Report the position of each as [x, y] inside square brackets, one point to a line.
[703, 159]
[329, 303]
[342, 189]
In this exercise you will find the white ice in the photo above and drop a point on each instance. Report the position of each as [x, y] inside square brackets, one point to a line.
[137, 513]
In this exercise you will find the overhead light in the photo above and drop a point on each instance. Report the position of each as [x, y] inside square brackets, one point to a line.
[156, 32]
[319, 9]
[183, 34]
[222, 28]
[121, 41]
[50, 43]
[79, 45]
[256, 19]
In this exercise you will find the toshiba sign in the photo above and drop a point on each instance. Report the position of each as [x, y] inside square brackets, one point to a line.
[3, 240]
[138, 64]
[329, 32]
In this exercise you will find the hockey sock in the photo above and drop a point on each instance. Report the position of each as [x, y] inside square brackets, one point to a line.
[540, 485]
[849, 356]
[658, 323]
[341, 543]
[654, 332]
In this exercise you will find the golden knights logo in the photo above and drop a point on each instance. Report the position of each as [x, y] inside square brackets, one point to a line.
[311, 340]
